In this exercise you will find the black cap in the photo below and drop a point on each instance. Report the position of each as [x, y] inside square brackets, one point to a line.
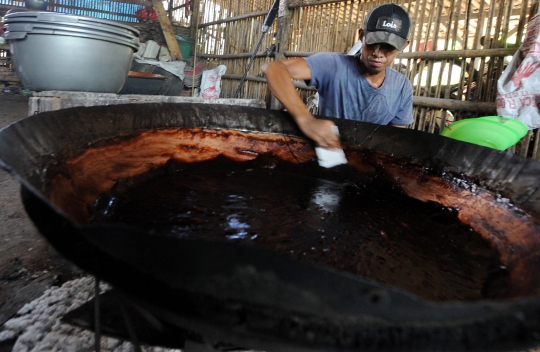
[387, 23]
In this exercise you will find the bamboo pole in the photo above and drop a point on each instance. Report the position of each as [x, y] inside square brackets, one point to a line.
[435, 38]
[336, 10]
[525, 141]
[416, 33]
[436, 55]
[449, 42]
[293, 30]
[456, 38]
[237, 43]
[496, 65]
[522, 21]
[451, 104]
[446, 61]
[333, 19]
[343, 30]
[535, 154]
[315, 38]
[352, 29]
[282, 44]
[489, 43]
[309, 18]
[429, 72]
[470, 69]
[477, 38]
[324, 43]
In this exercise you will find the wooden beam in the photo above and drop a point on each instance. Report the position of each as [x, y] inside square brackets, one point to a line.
[452, 104]
[436, 103]
[168, 31]
[194, 20]
[434, 55]
[235, 56]
[235, 18]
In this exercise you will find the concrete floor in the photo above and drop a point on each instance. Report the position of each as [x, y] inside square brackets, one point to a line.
[28, 264]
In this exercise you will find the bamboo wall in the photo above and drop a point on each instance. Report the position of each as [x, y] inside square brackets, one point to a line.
[458, 49]
[110, 10]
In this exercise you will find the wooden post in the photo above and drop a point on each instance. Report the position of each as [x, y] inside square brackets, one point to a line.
[168, 31]
[195, 14]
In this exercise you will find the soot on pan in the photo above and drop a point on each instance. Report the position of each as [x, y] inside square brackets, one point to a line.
[332, 217]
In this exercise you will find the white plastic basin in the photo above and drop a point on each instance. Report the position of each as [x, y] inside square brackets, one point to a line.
[70, 61]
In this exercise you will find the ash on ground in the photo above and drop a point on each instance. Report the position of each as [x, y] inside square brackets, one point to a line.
[37, 326]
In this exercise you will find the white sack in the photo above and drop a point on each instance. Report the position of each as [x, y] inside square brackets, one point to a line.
[211, 82]
[518, 88]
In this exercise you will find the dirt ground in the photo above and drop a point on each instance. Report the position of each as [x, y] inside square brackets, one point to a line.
[28, 264]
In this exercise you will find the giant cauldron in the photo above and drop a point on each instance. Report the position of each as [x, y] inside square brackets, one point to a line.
[254, 297]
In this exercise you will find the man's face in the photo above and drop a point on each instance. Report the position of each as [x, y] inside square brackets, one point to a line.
[377, 57]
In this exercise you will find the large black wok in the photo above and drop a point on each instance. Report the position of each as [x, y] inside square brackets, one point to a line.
[251, 296]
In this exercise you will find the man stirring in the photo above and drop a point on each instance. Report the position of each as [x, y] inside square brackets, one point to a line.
[361, 87]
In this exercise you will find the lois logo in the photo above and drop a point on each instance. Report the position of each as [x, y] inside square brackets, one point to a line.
[390, 25]
[387, 23]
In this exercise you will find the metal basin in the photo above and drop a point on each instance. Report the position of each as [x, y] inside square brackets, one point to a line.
[254, 297]
[74, 55]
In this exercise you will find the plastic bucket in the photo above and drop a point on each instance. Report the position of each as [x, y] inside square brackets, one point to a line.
[185, 45]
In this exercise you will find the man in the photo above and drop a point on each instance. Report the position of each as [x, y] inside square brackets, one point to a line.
[360, 87]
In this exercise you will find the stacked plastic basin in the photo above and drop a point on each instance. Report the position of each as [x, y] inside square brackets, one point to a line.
[56, 51]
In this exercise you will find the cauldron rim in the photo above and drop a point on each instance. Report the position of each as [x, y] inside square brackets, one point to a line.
[380, 138]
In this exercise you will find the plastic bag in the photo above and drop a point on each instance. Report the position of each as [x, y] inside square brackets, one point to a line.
[211, 82]
[518, 91]
[164, 54]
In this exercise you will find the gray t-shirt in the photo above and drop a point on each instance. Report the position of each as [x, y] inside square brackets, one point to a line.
[344, 91]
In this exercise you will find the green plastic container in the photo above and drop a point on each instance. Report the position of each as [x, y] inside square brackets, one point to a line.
[489, 131]
[185, 45]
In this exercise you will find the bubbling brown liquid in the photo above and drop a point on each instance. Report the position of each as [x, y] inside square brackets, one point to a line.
[332, 217]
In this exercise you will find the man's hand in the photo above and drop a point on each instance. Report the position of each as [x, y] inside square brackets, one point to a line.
[279, 75]
[320, 131]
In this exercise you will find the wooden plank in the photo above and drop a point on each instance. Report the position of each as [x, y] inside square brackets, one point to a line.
[168, 31]
[55, 100]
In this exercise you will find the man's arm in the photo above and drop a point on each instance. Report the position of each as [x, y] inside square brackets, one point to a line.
[279, 75]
